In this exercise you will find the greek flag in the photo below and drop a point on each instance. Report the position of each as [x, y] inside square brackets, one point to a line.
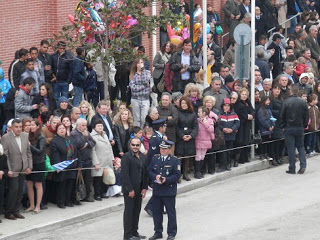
[62, 165]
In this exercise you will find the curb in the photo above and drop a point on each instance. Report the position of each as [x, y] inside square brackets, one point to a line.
[252, 166]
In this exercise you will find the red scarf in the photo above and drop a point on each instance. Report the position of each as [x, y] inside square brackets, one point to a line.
[50, 129]
[24, 89]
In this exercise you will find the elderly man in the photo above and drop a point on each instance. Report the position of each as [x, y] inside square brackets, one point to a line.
[266, 88]
[306, 53]
[216, 91]
[300, 43]
[19, 158]
[283, 81]
[312, 43]
[84, 144]
[75, 115]
[262, 64]
[288, 71]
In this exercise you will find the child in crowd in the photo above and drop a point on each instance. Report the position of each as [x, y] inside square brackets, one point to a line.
[229, 124]
[314, 116]
[42, 108]
[204, 138]
[137, 132]
[147, 133]
[194, 93]
[302, 66]
[116, 189]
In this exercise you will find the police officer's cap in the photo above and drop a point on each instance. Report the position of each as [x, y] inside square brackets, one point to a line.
[166, 144]
[159, 122]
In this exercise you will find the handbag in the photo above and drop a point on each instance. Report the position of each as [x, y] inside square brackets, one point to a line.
[256, 138]
[218, 137]
[160, 85]
[81, 192]
[219, 29]
[108, 177]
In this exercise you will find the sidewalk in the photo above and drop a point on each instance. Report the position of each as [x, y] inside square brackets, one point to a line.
[54, 217]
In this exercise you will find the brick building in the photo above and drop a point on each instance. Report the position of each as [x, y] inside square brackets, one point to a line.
[24, 23]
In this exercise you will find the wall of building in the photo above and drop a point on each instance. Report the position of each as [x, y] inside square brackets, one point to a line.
[24, 23]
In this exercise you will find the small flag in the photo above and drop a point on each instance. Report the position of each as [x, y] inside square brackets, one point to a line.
[62, 165]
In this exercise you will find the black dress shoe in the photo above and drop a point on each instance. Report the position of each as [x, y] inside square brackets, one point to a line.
[290, 172]
[301, 171]
[18, 215]
[155, 237]
[70, 204]
[98, 198]
[10, 216]
[77, 203]
[104, 196]
[61, 206]
[140, 236]
[170, 238]
[149, 212]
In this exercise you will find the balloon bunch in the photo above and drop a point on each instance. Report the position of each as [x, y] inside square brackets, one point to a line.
[179, 33]
[92, 22]
[197, 27]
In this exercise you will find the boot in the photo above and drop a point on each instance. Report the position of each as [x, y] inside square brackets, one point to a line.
[201, 164]
[179, 180]
[197, 173]
[274, 162]
[236, 160]
[185, 169]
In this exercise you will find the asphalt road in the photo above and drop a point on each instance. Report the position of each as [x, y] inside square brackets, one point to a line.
[269, 204]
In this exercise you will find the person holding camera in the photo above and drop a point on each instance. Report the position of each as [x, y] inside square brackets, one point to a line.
[164, 171]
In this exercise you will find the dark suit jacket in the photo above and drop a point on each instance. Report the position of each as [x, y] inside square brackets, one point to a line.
[97, 117]
[314, 47]
[18, 161]
[276, 59]
[134, 173]
[243, 11]
[217, 51]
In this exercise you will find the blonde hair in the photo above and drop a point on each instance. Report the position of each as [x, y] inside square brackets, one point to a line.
[301, 60]
[200, 76]
[118, 121]
[244, 90]
[147, 130]
[209, 98]
[90, 109]
[192, 87]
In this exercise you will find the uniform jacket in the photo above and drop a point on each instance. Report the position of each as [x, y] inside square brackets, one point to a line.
[22, 104]
[170, 169]
[62, 66]
[58, 151]
[176, 66]
[154, 143]
[165, 112]
[18, 161]
[134, 173]
[38, 150]
[187, 125]
[229, 120]
[102, 153]
[205, 134]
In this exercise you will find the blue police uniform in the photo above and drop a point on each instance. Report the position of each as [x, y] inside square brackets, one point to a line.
[164, 194]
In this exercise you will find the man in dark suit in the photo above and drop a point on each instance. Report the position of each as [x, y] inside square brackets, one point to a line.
[134, 187]
[164, 171]
[232, 16]
[214, 47]
[103, 110]
[276, 57]
[244, 8]
[17, 149]
[312, 43]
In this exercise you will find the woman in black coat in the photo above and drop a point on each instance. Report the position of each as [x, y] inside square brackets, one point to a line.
[275, 107]
[38, 150]
[186, 133]
[62, 149]
[245, 112]
[122, 130]
[46, 97]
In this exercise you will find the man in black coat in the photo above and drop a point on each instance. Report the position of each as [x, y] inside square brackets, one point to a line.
[294, 118]
[276, 57]
[18, 68]
[46, 60]
[244, 8]
[134, 187]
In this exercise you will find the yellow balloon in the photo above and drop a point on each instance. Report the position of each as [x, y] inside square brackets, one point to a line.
[176, 40]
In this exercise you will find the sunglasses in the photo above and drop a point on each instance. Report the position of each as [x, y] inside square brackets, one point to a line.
[135, 145]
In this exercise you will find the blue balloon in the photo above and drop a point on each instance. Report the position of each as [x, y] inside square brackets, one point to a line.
[200, 41]
[208, 28]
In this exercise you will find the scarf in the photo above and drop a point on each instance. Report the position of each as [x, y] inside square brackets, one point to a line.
[165, 57]
[50, 129]
[24, 89]
[69, 149]
[194, 99]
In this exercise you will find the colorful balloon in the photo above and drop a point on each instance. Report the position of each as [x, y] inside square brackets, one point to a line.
[176, 40]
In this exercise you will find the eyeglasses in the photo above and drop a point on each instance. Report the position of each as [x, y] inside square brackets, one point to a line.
[135, 145]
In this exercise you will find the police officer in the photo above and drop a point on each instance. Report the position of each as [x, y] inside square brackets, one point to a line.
[134, 187]
[159, 127]
[164, 171]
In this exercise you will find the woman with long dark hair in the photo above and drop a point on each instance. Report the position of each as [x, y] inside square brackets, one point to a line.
[38, 150]
[186, 134]
[140, 91]
[45, 96]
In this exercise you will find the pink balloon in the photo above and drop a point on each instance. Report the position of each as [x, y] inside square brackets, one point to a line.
[132, 22]
[170, 31]
[71, 18]
[185, 33]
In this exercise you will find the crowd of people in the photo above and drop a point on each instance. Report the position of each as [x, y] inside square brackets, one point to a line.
[45, 124]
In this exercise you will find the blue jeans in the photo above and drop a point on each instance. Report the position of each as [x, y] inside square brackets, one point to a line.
[294, 138]
[293, 23]
[60, 89]
[310, 141]
[77, 98]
